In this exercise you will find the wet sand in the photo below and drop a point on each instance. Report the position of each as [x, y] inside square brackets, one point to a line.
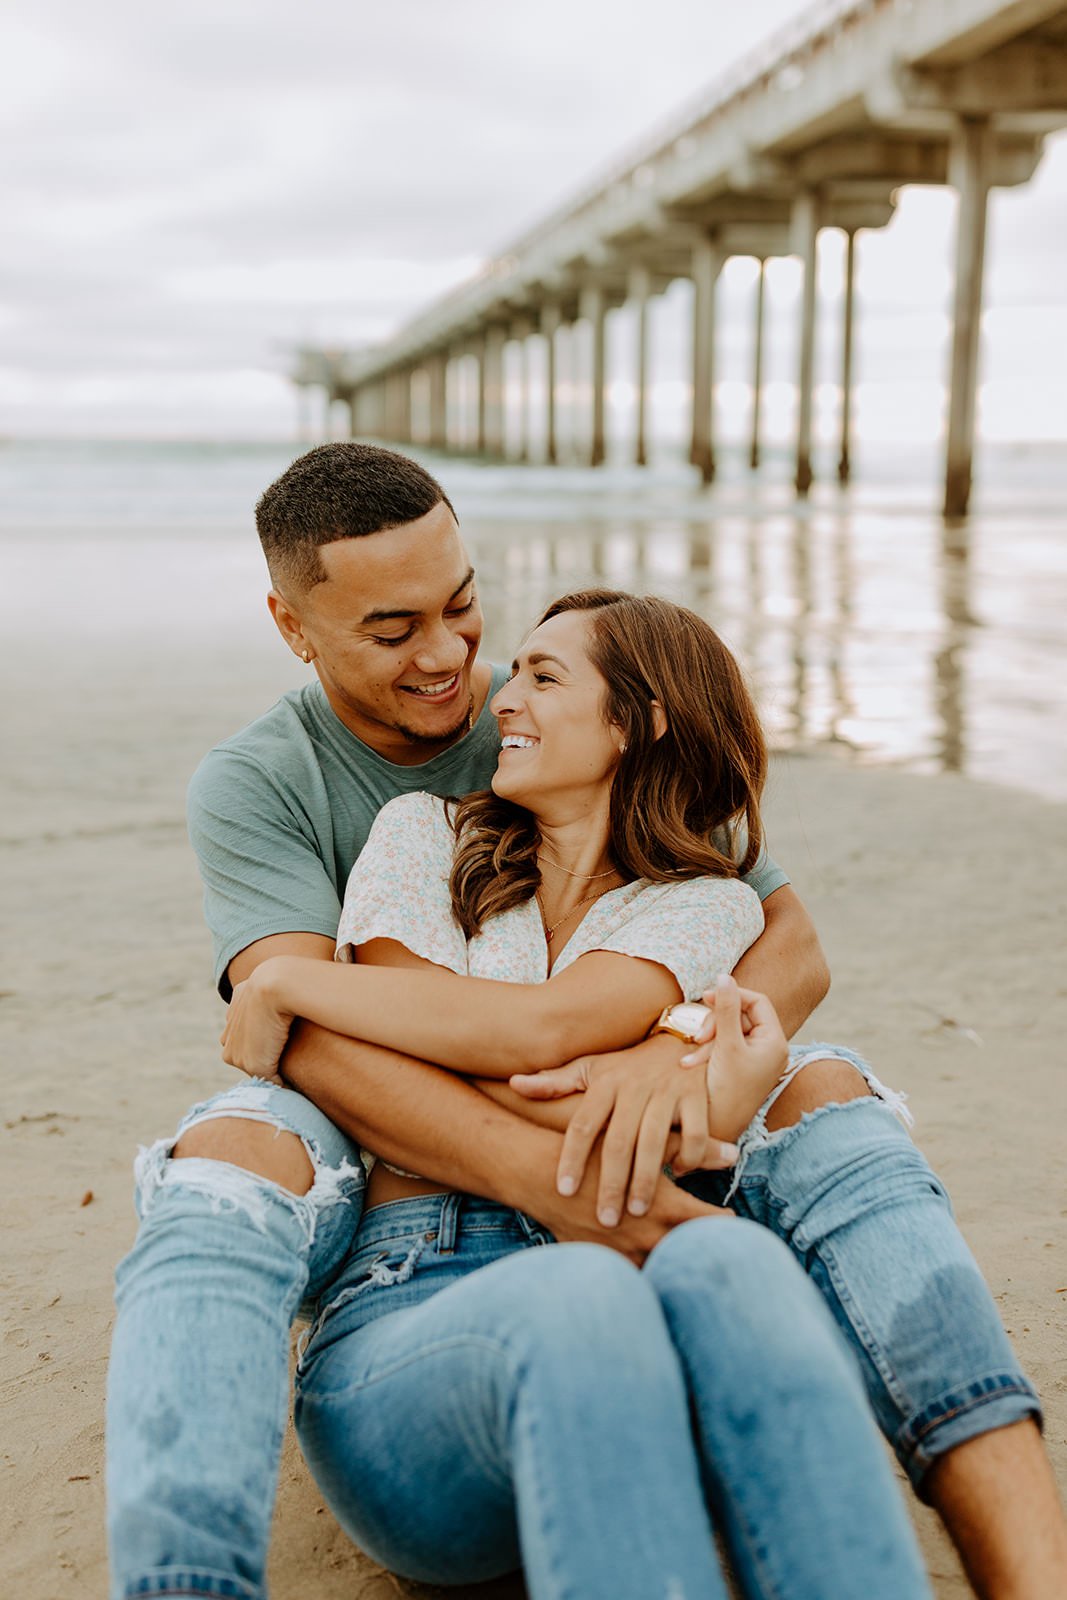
[939, 901]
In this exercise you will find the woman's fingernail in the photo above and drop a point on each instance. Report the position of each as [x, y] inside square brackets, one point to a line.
[608, 1217]
[689, 1060]
[637, 1208]
[566, 1185]
[723, 981]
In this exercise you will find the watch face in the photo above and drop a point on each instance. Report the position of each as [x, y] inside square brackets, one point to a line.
[688, 1017]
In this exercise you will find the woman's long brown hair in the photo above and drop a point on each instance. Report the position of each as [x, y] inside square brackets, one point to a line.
[684, 805]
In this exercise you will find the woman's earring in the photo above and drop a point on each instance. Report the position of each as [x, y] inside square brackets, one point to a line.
[305, 658]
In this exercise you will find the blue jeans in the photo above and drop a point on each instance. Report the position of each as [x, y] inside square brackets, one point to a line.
[469, 1402]
[872, 1225]
[223, 1260]
[198, 1386]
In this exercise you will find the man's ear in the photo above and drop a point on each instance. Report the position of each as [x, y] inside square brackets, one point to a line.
[288, 624]
[659, 720]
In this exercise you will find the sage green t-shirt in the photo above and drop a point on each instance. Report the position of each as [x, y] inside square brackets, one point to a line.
[279, 813]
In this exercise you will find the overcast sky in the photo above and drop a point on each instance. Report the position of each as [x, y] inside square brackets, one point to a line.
[190, 189]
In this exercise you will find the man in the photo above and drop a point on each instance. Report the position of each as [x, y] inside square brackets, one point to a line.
[243, 1216]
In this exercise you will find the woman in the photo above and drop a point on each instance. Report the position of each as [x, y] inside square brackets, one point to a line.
[467, 1401]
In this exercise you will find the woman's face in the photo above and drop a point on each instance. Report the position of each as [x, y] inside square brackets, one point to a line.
[556, 744]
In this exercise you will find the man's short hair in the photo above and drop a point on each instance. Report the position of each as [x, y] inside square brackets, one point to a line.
[338, 491]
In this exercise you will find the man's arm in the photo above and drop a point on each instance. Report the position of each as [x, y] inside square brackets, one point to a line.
[429, 1121]
[786, 963]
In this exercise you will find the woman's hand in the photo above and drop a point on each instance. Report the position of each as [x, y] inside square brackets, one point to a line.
[636, 1098]
[742, 1045]
[257, 1025]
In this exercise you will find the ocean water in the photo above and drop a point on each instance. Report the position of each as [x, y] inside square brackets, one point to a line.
[864, 623]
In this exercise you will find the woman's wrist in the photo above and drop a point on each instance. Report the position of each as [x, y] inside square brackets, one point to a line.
[274, 980]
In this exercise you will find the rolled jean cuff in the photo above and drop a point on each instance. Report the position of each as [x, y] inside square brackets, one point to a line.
[197, 1582]
[995, 1401]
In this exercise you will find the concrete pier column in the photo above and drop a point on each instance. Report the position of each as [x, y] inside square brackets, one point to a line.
[639, 290]
[757, 366]
[805, 243]
[523, 451]
[593, 309]
[380, 409]
[437, 367]
[550, 320]
[970, 169]
[491, 393]
[398, 407]
[388, 408]
[402, 383]
[390, 417]
[706, 265]
[359, 412]
[844, 460]
[480, 409]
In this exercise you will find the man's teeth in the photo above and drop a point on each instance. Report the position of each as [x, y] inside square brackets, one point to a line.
[517, 741]
[429, 690]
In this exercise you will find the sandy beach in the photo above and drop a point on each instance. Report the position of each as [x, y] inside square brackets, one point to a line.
[939, 901]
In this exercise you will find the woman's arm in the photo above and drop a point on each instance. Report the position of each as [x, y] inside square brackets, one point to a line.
[604, 1001]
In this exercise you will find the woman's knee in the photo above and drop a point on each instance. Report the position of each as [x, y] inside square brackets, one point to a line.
[736, 1300]
[579, 1307]
[730, 1252]
[731, 1275]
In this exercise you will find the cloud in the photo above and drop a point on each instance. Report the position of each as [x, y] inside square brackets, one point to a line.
[196, 189]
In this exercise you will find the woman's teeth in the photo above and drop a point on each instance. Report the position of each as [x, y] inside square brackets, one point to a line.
[516, 741]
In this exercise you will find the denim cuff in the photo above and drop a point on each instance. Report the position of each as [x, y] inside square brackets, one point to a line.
[991, 1402]
[197, 1582]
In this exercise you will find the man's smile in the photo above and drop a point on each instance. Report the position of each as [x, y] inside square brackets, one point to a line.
[439, 693]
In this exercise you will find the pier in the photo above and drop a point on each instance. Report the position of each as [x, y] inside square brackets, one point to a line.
[818, 129]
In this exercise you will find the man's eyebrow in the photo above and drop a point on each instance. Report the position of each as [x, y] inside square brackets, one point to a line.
[401, 616]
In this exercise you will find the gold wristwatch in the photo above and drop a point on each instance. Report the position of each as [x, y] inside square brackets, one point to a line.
[685, 1020]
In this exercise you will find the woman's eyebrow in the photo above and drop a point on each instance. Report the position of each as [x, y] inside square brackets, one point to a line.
[536, 660]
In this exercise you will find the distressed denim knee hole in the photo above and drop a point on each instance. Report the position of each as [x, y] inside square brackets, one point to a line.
[231, 1188]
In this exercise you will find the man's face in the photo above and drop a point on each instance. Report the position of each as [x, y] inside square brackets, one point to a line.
[393, 630]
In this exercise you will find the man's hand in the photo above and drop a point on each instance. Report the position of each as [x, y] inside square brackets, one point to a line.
[635, 1098]
[635, 1236]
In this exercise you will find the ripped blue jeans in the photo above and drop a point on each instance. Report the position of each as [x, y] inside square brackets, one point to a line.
[223, 1262]
[870, 1222]
[198, 1386]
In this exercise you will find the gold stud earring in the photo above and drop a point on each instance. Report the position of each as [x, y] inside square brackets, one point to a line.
[305, 658]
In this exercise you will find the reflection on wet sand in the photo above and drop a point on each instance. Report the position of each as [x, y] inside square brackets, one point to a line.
[876, 631]
[866, 624]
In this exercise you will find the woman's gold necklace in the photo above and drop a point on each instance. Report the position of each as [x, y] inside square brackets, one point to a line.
[586, 877]
[549, 931]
